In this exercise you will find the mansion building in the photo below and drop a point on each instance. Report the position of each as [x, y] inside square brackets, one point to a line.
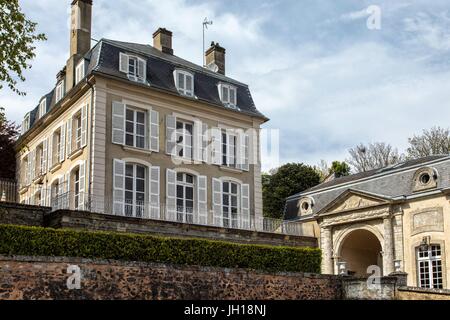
[133, 130]
[395, 218]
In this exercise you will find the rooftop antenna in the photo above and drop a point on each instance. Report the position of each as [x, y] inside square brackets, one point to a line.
[206, 23]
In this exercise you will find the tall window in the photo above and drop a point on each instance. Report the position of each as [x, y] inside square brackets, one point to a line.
[134, 190]
[184, 82]
[229, 142]
[230, 204]
[39, 160]
[430, 267]
[78, 131]
[184, 139]
[135, 128]
[56, 146]
[56, 194]
[76, 187]
[185, 197]
[26, 123]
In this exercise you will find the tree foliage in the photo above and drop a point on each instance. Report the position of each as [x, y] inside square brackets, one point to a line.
[435, 141]
[373, 156]
[17, 35]
[8, 136]
[287, 180]
[339, 168]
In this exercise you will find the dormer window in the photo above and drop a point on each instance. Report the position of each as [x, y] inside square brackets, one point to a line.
[80, 72]
[184, 82]
[42, 108]
[135, 67]
[59, 91]
[228, 95]
[26, 123]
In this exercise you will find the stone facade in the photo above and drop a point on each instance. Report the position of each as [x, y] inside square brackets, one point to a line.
[46, 279]
[20, 214]
[384, 218]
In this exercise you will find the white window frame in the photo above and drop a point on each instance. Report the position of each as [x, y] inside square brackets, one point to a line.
[80, 71]
[184, 133]
[133, 61]
[42, 108]
[77, 120]
[76, 187]
[26, 123]
[40, 159]
[59, 91]
[135, 126]
[56, 142]
[426, 261]
[229, 221]
[226, 100]
[185, 216]
[135, 205]
[229, 156]
[182, 89]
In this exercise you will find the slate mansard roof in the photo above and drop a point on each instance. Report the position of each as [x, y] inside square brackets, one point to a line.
[392, 182]
[103, 59]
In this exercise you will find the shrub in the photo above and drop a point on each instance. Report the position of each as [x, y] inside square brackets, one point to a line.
[36, 241]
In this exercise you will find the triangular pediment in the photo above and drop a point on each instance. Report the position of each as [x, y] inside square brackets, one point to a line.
[354, 200]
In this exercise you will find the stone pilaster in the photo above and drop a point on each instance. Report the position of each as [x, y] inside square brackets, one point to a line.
[326, 244]
[398, 239]
[388, 252]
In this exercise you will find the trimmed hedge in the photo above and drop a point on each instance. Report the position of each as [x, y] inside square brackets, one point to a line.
[36, 241]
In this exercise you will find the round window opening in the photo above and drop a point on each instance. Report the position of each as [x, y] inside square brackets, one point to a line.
[425, 178]
[305, 206]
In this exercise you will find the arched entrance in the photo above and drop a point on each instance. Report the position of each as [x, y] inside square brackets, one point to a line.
[359, 250]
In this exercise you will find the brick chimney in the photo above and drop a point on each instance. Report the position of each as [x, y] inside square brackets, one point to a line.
[80, 37]
[162, 40]
[215, 58]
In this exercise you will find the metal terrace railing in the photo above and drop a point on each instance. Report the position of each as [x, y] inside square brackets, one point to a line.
[37, 195]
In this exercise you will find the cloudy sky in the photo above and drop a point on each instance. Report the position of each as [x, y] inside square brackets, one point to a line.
[325, 80]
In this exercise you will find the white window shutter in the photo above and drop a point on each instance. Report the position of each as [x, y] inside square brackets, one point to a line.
[217, 202]
[205, 143]
[29, 169]
[118, 123]
[198, 143]
[155, 212]
[246, 153]
[50, 152]
[81, 202]
[202, 197]
[154, 131]
[84, 125]
[245, 206]
[216, 135]
[171, 123]
[44, 156]
[233, 96]
[69, 137]
[62, 144]
[171, 194]
[33, 164]
[142, 70]
[118, 187]
[43, 197]
[124, 63]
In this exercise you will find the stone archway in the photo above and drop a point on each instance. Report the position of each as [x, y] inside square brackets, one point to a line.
[360, 249]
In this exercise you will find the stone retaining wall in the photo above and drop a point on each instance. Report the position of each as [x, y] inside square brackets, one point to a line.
[46, 278]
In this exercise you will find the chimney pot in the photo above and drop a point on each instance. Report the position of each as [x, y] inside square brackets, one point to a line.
[162, 40]
[215, 55]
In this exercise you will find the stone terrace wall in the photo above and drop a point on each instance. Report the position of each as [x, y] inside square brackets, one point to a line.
[102, 222]
[411, 293]
[46, 278]
[21, 214]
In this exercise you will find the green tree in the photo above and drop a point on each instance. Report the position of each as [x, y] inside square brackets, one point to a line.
[287, 180]
[8, 136]
[17, 35]
[339, 168]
